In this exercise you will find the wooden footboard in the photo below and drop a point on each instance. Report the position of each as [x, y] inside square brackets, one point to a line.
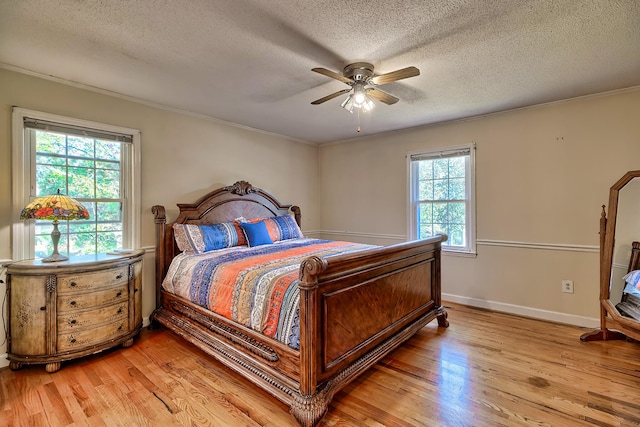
[354, 308]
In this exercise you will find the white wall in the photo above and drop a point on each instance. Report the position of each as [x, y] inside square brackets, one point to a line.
[542, 175]
[183, 157]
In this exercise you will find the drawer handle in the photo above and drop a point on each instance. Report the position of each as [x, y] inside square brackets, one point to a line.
[43, 308]
[119, 310]
[73, 284]
[119, 276]
[120, 327]
[72, 303]
[73, 322]
[72, 340]
[119, 294]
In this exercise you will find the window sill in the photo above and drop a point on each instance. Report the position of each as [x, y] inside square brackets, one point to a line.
[454, 253]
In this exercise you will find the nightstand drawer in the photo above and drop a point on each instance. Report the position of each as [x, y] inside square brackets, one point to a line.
[92, 281]
[100, 335]
[71, 321]
[88, 300]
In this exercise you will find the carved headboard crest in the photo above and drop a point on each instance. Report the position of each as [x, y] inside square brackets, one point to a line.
[242, 188]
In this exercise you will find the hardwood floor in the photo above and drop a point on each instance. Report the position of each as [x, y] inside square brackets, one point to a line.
[486, 369]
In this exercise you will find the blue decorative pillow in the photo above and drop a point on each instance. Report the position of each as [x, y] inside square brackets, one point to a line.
[256, 233]
[279, 228]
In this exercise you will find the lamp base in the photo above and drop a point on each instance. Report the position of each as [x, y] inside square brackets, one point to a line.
[55, 258]
[55, 236]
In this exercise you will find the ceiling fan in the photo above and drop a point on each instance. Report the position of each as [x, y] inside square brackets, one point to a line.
[363, 82]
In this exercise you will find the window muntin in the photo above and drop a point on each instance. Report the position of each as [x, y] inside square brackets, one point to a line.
[441, 194]
[89, 170]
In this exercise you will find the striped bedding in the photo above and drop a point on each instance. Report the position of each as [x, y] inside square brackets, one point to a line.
[256, 287]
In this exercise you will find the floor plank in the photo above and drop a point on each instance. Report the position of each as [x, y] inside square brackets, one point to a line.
[486, 369]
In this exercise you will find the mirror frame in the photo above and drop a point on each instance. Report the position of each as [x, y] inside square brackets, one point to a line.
[613, 325]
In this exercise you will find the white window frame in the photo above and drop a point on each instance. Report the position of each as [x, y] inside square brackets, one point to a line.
[23, 231]
[470, 179]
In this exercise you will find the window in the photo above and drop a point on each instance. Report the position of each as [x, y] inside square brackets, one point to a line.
[441, 196]
[95, 164]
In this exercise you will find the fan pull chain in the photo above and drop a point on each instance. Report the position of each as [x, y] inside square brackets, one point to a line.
[358, 129]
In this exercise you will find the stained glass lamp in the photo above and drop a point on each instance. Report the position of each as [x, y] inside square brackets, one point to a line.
[55, 207]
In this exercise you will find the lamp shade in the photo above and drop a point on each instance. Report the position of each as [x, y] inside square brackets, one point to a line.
[55, 207]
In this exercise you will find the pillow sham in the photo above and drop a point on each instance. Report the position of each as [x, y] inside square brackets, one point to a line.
[192, 238]
[256, 233]
[280, 228]
[287, 227]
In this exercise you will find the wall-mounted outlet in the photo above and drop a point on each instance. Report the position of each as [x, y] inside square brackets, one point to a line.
[567, 286]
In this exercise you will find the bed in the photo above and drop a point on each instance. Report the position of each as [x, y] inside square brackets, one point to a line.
[352, 308]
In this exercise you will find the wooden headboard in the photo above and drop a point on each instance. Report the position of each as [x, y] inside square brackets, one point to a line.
[222, 205]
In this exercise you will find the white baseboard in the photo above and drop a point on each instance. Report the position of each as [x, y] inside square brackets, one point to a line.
[536, 313]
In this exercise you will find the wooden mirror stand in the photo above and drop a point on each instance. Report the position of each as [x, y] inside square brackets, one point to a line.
[614, 325]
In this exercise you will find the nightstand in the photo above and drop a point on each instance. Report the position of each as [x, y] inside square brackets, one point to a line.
[64, 310]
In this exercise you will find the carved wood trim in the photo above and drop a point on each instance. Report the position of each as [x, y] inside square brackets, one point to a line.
[185, 328]
[231, 334]
[242, 188]
[310, 362]
[297, 215]
[51, 314]
[160, 220]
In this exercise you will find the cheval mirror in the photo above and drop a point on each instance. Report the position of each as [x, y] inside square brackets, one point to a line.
[620, 263]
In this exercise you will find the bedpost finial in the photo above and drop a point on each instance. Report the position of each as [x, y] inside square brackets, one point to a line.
[297, 214]
[241, 188]
[311, 266]
[160, 216]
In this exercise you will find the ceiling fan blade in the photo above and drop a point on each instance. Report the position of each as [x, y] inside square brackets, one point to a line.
[382, 96]
[328, 97]
[395, 75]
[333, 75]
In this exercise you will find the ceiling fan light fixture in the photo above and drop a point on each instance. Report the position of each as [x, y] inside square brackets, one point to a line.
[359, 94]
[363, 82]
[358, 98]
[347, 104]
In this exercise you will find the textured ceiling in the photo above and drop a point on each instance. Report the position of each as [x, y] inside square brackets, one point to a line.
[248, 62]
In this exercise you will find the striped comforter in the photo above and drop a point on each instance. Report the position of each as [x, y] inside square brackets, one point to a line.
[256, 287]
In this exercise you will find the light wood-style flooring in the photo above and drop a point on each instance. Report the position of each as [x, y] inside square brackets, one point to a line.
[486, 369]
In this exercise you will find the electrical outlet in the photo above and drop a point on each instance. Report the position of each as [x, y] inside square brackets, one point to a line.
[567, 286]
